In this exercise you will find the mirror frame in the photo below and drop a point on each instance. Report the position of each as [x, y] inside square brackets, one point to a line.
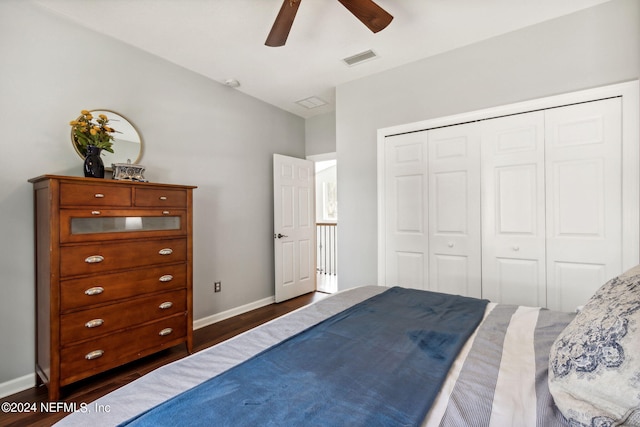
[107, 112]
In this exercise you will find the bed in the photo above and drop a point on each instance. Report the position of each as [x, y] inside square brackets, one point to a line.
[523, 366]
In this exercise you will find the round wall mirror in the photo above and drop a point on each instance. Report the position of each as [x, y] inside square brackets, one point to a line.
[127, 143]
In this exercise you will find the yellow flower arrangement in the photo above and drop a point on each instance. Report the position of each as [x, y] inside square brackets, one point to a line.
[98, 133]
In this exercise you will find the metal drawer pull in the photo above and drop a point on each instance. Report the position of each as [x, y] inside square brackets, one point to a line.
[165, 212]
[166, 278]
[165, 305]
[93, 259]
[165, 332]
[165, 251]
[94, 354]
[98, 196]
[163, 197]
[94, 323]
[96, 212]
[96, 290]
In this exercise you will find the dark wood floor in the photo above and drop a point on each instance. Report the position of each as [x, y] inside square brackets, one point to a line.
[90, 389]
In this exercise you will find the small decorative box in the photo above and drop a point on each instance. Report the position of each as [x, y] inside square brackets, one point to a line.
[128, 172]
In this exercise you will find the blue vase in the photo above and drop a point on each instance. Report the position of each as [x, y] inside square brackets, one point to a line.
[93, 166]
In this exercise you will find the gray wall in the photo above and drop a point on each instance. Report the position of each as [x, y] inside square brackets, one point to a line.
[196, 131]
[594, 47]
[320, 134]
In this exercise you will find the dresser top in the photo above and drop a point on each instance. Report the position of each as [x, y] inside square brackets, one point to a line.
[101, 181]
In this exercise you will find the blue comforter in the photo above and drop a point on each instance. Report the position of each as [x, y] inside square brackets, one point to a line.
[378, 363]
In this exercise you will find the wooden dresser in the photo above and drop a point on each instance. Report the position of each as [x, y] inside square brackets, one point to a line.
[113, 274]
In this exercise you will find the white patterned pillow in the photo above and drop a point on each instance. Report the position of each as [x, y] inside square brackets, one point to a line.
[594, 365]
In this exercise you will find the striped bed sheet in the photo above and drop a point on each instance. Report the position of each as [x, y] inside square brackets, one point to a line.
[500, 376]
[498, 379]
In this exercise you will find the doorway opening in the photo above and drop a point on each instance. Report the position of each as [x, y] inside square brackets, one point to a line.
[326, 223]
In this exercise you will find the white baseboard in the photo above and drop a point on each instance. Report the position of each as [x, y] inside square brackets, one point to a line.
[17, 385]
[210, 320]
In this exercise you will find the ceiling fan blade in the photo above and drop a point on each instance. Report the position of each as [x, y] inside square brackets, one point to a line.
[282, 25]
[369, 13]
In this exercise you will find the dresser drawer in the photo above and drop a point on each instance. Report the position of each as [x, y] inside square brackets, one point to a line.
[97, 224]
[96, 322]
[90, 357]
[74, 194]
[159, 197]
[114, 256]
[106, 288]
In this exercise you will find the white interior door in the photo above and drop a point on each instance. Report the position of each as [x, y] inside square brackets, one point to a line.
[406, 228]
[584, 200]
[454, 210]
[293, 226]
[513, 210]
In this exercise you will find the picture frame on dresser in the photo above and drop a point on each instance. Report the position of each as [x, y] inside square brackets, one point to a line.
[114, 273]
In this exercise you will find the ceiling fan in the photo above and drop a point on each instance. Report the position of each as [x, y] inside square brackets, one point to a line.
[369, 13]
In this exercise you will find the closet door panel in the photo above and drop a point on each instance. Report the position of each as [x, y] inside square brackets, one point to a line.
[584, 200]
[454, 210]
[450, 273]
[513, 209]
[406, 189]
[517, 281]
[410, 269]
[516, 190]
[449, 197]
[573, 283]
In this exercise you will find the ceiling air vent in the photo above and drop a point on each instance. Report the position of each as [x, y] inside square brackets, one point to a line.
[311, 102]
[360, 57]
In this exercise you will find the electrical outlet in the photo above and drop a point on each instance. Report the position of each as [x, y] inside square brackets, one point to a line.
[217, 286]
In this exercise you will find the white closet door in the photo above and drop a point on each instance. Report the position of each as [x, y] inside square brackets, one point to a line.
[513, 210]
[406, 192]
[584, 205]
[454, 210]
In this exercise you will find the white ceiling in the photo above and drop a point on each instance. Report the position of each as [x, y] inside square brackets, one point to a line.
[223, 39]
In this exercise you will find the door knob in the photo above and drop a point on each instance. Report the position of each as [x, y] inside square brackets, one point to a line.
[279, 236]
